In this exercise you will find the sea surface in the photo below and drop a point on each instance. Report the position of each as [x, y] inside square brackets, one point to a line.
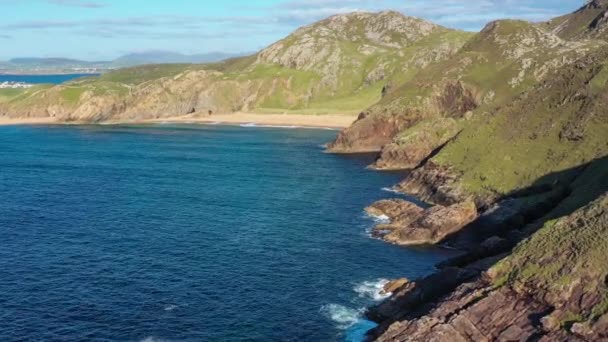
[42, 79]
[176, 233]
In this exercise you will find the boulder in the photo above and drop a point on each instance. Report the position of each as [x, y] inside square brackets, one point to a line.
[394, 285]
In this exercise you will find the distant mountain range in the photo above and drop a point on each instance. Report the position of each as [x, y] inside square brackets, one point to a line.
[65, 65]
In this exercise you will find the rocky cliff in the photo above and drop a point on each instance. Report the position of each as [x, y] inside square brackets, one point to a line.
[550, 287]
[518, 183]
[505, 59]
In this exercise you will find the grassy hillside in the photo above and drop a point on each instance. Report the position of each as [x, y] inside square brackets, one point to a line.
[559, 124]
[338, 65]
[588, 22]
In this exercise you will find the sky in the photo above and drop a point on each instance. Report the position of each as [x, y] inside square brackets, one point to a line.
[105, 29]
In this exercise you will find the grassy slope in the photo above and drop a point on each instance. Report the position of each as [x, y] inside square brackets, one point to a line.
[577, 24]
[279, 88]
[487, 65]
[516, 145]
[568, 252]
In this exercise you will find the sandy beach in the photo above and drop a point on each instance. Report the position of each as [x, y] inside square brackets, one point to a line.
[303, 120]
[26, 121]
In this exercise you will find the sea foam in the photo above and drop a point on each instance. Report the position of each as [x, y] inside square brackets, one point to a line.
[345, 317]
[268, 126]
[391, 190]
[379, 219]
[372, 289]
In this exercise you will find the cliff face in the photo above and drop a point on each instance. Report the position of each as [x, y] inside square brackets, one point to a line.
[535, 168]
[505, 59]
[550, 288]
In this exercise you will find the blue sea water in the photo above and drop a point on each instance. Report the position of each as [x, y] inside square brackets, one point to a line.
[42, 79]
[207, 233]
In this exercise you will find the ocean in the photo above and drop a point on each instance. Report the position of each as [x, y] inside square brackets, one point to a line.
[42, 79]
[177, 233]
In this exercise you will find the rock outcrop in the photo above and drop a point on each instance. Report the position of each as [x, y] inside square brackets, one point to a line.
[589, 22]
[413, 145]
[370, 134]
[511, 302]
[410, 225]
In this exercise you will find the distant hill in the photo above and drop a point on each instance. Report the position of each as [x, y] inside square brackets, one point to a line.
[61, 65]
[162, 57]
[52, 62]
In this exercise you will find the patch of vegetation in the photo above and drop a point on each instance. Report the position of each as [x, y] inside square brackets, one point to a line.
[141, 74]
[8, 93]
[535, 135]
[71, 95]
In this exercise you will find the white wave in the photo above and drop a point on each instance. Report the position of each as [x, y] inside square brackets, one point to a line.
[170, 307]
[152, 339]
[379, 219]
[343, 316]
[392, 190]
[267, 126]
[372, 289]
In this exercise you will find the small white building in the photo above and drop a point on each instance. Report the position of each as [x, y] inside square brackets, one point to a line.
[14, 85]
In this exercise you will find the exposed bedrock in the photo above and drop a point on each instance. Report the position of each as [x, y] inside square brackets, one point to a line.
[552, 287]
[434, 183]
[416, 226]
[412, 146]
[370, 133]
[539, 276]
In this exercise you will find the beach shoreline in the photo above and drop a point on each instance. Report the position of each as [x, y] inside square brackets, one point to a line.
[337, 121]
[334, 121]
[27, 121]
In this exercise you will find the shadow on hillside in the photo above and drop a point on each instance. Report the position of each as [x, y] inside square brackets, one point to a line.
[523, 211]
[494, 235]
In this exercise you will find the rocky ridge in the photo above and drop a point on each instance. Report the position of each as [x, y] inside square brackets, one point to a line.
[505, 59]
[338, 65]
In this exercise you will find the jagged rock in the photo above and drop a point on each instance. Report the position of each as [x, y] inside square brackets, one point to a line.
[434, 183]
[522, 297]
[369, 134]
[394, 209]
[398, 212]
[434, 225]
[415, 144]
[394, 285]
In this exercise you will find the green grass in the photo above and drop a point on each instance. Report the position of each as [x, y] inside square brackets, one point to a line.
[71, 95]
[8, 93]
[565, 252]
[599, 82]
[141, 74]
[515, 145]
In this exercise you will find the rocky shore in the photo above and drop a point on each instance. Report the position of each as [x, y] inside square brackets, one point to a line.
[503, 133]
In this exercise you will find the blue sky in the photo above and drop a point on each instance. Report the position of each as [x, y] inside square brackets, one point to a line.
[105, 29]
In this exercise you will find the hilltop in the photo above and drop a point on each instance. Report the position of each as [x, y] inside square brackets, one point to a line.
[338, 65]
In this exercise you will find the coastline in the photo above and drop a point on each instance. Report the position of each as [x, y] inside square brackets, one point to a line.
[27, 121]
[333, 121]
[337, 121]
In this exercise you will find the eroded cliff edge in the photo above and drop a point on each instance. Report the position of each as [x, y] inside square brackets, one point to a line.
[517, 177]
